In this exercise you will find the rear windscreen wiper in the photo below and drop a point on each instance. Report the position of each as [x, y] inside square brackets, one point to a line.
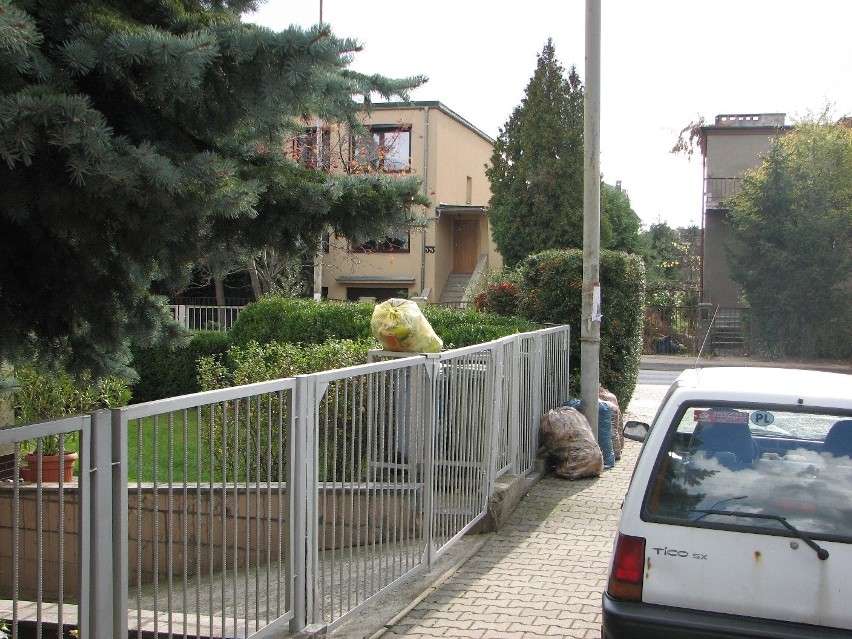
[822, 553]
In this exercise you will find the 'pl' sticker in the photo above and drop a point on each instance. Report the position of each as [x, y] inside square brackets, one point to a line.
[762, 418]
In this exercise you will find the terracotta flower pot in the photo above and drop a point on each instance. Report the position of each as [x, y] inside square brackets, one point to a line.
[49, 468]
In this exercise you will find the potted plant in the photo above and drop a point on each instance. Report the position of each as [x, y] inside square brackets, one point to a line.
[42, 396]
[57, 459]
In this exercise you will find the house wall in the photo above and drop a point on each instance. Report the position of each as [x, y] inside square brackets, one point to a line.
[351, 516]
[732, 151]
[729, 150]
[719, 288]
[459, 154]
[445, 150]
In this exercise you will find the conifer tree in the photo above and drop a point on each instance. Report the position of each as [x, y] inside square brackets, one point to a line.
[139, 137]
[791, 243]
[536, 171]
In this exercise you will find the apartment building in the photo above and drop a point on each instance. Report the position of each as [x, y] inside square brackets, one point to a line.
[440, 261]
[733, 144]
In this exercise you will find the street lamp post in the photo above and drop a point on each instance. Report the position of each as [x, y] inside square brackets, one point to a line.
[590, 329]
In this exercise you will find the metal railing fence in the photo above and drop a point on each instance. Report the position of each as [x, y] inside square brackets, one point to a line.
[272, 507]
[205, 318]
[670, 329]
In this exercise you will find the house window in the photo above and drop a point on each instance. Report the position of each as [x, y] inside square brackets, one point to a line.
[393, 241]
[304, 149]
[355, 293]
[384, 149]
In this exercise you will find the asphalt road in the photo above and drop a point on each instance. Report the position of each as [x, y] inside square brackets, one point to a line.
[657, 377]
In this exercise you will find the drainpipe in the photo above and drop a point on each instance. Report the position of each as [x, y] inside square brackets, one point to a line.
[426, 193]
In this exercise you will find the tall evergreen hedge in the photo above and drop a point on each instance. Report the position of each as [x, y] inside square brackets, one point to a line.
[551, 286]
[289, 320]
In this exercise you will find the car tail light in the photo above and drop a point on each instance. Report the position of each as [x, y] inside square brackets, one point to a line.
[628, 567]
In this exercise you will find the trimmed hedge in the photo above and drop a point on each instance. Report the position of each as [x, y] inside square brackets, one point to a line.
[463, 328]
[552, 287]
[284, 320]
[288, 320]
[169, 372]
[165, 372]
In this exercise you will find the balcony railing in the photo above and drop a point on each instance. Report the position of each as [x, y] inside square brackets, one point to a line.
[717, 189]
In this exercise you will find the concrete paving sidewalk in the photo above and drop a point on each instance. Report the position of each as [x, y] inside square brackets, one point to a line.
[541, 575]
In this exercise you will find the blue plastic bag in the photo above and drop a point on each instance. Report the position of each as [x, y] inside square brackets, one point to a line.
[604, 430]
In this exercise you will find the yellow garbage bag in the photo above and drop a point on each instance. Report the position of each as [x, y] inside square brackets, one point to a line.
[400, 326]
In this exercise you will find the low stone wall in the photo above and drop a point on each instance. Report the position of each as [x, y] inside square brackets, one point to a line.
[204, 530]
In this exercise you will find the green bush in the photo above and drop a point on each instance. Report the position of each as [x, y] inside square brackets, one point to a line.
[288, 320]
[260, 362]
[464, 328]
[552, 287]
[499, 293]
[169, 372]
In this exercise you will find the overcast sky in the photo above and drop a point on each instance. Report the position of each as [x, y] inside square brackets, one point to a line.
[664, 63]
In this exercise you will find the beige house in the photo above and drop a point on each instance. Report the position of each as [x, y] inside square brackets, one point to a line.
[730, 146]
[442, 261]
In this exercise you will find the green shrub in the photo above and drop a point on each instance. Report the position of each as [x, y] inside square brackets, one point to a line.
[260, 362]
[552, 287]
[459, 328]
[169, 372]
[288, 320]
[499, 292]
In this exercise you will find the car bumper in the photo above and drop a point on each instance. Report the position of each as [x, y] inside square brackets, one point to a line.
[637, 620]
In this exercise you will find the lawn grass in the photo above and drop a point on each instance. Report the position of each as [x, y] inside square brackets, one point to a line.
[176, 432]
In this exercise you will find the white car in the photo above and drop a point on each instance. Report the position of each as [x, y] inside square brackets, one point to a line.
[738, 518]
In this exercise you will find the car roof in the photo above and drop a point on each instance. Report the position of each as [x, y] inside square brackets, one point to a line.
[767, 384]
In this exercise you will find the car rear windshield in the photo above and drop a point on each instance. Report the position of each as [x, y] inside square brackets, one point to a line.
[722, 463]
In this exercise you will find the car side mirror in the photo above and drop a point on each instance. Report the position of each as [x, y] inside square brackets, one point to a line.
[637, 431]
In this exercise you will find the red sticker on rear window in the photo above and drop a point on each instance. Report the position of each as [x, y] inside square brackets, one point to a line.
[720, 416]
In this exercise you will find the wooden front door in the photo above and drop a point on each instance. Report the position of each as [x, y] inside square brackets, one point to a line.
[465, 245]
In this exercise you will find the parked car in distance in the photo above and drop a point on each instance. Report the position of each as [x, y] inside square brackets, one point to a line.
[738, 518]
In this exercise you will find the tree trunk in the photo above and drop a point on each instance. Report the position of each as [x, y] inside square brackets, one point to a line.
[255, 280]
[220, 299]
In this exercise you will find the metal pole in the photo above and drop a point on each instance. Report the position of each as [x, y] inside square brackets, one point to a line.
[590, 329]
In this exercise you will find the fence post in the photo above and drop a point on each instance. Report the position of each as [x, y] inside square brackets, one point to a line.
[98, 548]
[432, 364]
[182, 316]
[536, 375]
[298, 497]
[496, 417]
[514, 403]
[706, 315]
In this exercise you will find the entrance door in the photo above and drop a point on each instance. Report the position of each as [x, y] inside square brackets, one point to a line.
[465, 245]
